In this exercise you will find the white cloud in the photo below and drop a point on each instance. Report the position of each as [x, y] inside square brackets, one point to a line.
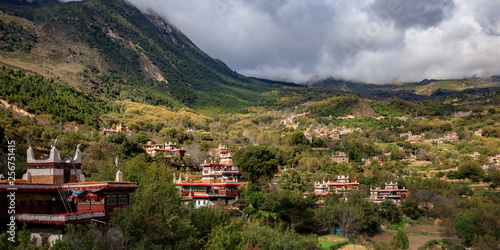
[365, 40]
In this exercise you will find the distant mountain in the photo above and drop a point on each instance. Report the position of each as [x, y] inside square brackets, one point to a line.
[111, 50]
[425, 89]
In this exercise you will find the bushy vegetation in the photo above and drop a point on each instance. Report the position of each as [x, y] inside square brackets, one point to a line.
[135, 50]
[203, 104]
[38, 95]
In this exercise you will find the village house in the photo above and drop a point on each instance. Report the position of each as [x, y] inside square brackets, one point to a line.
[494, 159]
[479, 132]
[391, 191]
[369, 161]
[475, 155]
[53, 193]
[446, 138]
[411, 137]
[342, 185]
[169, 149]
[341, 157]
[468, 113]
[219, 182]
[120, 128]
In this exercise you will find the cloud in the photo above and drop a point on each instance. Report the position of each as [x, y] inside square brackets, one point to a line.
[407, 14]
[365, 40]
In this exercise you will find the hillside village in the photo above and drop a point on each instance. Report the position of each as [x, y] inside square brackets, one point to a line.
[248, 165]
[118, 132]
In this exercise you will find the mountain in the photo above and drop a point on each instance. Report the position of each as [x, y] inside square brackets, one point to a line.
[111, 50]
[425, 89]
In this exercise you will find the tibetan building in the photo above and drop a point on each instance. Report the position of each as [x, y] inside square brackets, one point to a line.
[219, 182]
[120, 128]
[391, 191]
[168, 149]
[342, 185]
[53, 193]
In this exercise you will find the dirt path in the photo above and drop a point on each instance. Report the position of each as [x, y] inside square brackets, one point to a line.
[352, 247]
[417, 241]
[423, 228]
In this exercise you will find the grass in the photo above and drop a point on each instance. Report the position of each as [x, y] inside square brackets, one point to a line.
[329, 241]
[401, 225]
[332, 244]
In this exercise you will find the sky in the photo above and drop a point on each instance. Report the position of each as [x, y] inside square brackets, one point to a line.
[378, 41]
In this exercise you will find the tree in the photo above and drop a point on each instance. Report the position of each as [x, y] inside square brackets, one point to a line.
[470, 169]
[254, 196]
[410, 208]
[298, 138]
[345, 216]
[400, 241]
[155, 217]
[141, 138]
[292, 180]
[468, 226]
[485, 242]
[256, 162]
[256, 235]
[117, 138]
[390, 211]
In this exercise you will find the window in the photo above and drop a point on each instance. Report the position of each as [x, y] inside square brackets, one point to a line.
[111, 200]
[122, 199]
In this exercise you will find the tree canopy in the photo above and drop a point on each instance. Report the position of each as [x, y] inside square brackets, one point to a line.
[257, 162]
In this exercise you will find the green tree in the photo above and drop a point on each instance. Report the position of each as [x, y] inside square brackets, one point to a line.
[256, 162]
[389, 211]
[117, 138]
[468, 226]
[23, 240]
[470, 169]
[298, 138]
[141, 138]
[256, 235]
[155, 217]
[292, 180]
[409, 207]
[400, 241]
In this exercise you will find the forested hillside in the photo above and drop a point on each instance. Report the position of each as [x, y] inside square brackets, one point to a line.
[113, 50]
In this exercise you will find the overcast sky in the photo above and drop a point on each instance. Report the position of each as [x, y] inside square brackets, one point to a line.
[377, 41]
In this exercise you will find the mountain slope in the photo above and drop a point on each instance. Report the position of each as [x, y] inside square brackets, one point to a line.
[111, 50]
[425, 89]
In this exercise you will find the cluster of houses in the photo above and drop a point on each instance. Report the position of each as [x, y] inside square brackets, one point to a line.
[368, 162]
[342, 185]
[340, 157]
[446, 138]
[53, 192]
[411, 137]
[468, 113]
[120, 128]
[289, 121]
[328, 133]
[492, 164]
[169, 150]
[218, 184]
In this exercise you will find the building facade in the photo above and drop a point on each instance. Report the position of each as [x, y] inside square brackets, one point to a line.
[219, 182]
[53, 193]
[391, 191]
